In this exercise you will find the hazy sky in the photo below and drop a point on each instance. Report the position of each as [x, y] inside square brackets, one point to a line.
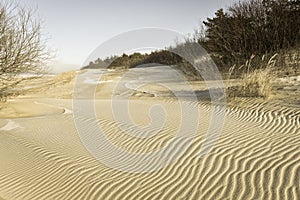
[77, 27]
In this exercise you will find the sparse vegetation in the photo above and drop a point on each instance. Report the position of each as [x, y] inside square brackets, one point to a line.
[263, 28]
[256, 77]
[129, 61]
[266, 29]
[163, 57]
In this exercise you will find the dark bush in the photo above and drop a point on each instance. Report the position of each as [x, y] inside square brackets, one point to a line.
[252, 27]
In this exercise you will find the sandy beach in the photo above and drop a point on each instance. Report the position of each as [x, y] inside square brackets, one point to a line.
[43, 155]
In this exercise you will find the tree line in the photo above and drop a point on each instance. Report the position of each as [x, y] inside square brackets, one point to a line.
[250, 27]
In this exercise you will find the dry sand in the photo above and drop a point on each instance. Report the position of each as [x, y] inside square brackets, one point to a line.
[257, 155]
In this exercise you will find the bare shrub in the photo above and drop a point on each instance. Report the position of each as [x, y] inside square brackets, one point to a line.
[22, 49]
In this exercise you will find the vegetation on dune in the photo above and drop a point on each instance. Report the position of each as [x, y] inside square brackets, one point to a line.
[232, 36]
[252, 27]
[163, 57]
[257, 76]
[242, 41]
[255, 27]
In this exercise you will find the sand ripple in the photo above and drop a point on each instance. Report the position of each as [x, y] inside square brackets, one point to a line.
[256, 157]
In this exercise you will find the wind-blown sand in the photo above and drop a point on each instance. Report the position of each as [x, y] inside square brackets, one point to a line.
[257, 155]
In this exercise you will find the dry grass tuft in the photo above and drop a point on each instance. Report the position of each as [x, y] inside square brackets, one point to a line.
[256, 78]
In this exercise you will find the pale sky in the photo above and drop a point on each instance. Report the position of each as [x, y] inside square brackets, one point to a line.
[77, 27]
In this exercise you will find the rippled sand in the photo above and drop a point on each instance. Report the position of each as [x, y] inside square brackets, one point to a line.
[256, 156]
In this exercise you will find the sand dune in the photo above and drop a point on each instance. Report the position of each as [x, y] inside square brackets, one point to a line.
[28, 108]
[257, 156]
